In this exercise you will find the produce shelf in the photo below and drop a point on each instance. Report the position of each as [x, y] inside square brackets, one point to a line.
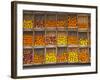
[56, 38]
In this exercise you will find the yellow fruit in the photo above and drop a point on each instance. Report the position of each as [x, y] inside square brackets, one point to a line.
[62, 40]
[83, 42]
[50, 57]
[28, 24]
[72, 57]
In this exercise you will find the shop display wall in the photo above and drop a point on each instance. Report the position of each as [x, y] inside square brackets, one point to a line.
[56, 38]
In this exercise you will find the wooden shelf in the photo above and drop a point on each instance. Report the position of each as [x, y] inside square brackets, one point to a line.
[82, 29]
[84, 46]
[61, 45]
[28, 47]
[50, 46]
[39, 29]
[72, 29]
[27, 64]
[28, 29]
[61, 29]
[39, 46]
[72, 45]
[50, 29]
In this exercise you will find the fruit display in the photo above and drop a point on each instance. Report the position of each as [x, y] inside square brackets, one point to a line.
[39, 21]
[51, 21]
[83, 42]
[27, 39]
[62, 39]
[28, 22]
[27, 56]
[72, 38]
[50, 56]
[38, 56]
[56, 38]
[51, 38]
[83, 39]
[72, 21]
[39, 40]
[63, 57]
[84, 56]
[83, 21]
[61, 21]
[73, 56]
